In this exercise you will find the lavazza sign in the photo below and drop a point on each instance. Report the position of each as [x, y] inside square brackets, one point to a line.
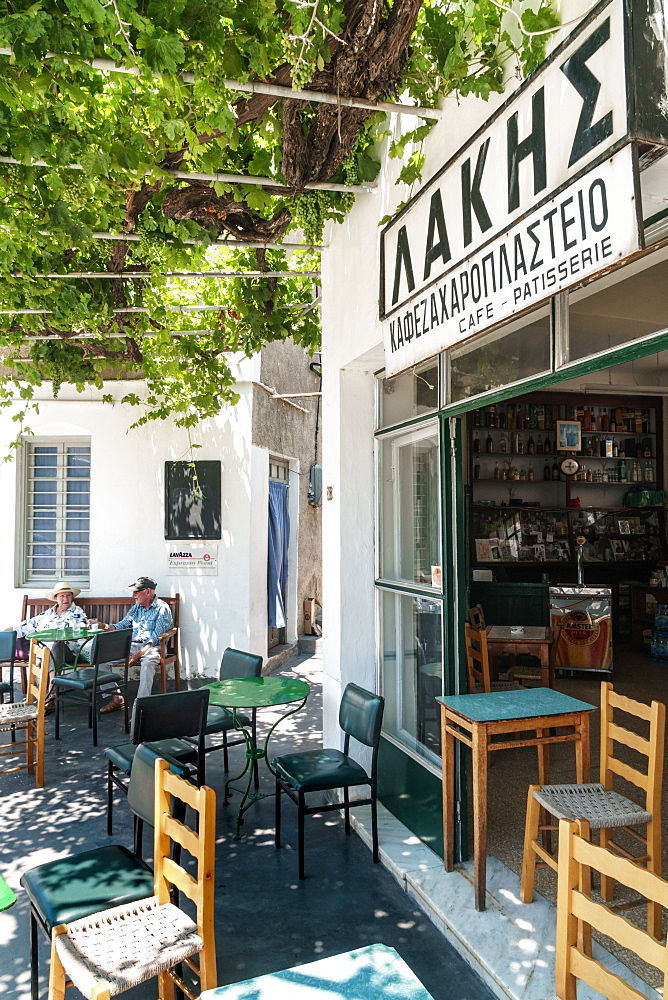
[542, 197]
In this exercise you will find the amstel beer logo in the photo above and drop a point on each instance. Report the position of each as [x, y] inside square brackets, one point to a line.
[579, 629]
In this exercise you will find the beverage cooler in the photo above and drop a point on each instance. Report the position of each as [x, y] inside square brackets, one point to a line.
[585, 640]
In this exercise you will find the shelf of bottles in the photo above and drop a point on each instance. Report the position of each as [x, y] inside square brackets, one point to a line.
[547, 534]
[517, 441]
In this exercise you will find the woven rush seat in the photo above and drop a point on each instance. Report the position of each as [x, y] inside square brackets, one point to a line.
[19, 711]
[126, 945]
[602, 808]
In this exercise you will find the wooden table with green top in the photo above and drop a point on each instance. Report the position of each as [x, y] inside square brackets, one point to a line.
[525, 717]
[255, 692]
[367, 973]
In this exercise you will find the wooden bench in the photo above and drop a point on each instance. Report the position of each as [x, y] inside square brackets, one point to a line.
[111, 610]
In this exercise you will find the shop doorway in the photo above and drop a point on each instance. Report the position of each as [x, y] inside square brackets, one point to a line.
[277, 559]
[522, 533]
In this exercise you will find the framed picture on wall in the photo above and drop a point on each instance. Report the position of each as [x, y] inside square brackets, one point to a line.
[569, 435]
[192, 500]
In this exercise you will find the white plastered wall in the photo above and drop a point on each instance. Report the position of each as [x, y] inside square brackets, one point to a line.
[127, 514]
[352, 351]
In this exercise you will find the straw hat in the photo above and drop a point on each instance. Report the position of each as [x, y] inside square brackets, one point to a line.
[62, 588]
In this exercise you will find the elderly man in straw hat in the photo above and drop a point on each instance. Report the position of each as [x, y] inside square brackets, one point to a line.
[64, 614]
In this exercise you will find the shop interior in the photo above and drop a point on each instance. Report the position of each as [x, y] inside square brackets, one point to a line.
[566, 523]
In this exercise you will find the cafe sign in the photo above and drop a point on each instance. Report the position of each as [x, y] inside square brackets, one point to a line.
[543, 196]
[194, 560]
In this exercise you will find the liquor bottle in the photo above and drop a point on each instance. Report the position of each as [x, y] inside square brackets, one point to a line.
[604, 419]
[530, 473]
[519, 417]
[520, 446]
[489, 444]
[555, 471]
[588, 450]
[523, 474]
[497, 472]
[514, 443]
[649, 472]
[622, 471]
[586, 420]
[502, 417]
[621, 449]
[547, 446]
[612, 422]
[589, 476]
[547, 475]
[510, 419]
[476, 469]
[647, 449]
[639, 448]
[476, 443]
[615, 449]
[539, 445]
[503, 444]
[531, 446]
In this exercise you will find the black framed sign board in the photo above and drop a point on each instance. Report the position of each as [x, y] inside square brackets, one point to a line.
[192, 499]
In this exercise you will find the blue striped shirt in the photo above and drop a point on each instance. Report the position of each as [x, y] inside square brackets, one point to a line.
[147, 624]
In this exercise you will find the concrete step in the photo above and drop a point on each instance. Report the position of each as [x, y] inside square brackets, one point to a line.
[310, 645]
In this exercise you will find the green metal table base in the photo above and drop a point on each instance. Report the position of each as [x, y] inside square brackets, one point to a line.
[253, 753]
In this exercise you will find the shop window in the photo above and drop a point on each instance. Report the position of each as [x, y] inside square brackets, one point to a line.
[56, 537]
[410, 541]
[618, 310]
[510, 354]
[411, 670]
[409, 395]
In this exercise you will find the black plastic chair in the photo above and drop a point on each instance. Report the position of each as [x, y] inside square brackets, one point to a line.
[7, 656]
[160, 719]
[297, 774]
[83, 685]
[75, 887]
[235, 663]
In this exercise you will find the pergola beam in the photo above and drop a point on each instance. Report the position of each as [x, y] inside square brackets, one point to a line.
[138, 275]
[224, 244]
[259, 87]
[183, 175]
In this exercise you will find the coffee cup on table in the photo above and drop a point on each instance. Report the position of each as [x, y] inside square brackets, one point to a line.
[93, 626]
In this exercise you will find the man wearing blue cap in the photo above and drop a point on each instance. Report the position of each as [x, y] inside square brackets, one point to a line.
[148, 619]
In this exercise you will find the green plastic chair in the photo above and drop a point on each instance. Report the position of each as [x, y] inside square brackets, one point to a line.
[7, 656]
[71, 888]
[160, 719]
[298, 774]
[83, 684]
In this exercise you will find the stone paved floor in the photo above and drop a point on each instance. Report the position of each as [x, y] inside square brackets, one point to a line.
[266, 919]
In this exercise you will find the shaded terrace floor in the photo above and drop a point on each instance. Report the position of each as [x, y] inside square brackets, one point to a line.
[266, 919]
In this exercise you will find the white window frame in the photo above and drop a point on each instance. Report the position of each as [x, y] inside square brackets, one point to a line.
[26, 479]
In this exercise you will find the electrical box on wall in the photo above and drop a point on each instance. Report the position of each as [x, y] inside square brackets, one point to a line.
[315, 485]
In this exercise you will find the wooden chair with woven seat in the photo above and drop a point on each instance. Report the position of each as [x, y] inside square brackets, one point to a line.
[80, 884]
[116, 949]
[26, 718]
[599, 806]
[478, 673]
[527, 672]
[476, 616]
[578, 915]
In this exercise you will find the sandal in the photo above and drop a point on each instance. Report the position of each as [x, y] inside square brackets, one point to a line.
[115, 705]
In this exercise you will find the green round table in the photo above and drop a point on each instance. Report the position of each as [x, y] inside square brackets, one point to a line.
[255, 692]
[7, 897]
